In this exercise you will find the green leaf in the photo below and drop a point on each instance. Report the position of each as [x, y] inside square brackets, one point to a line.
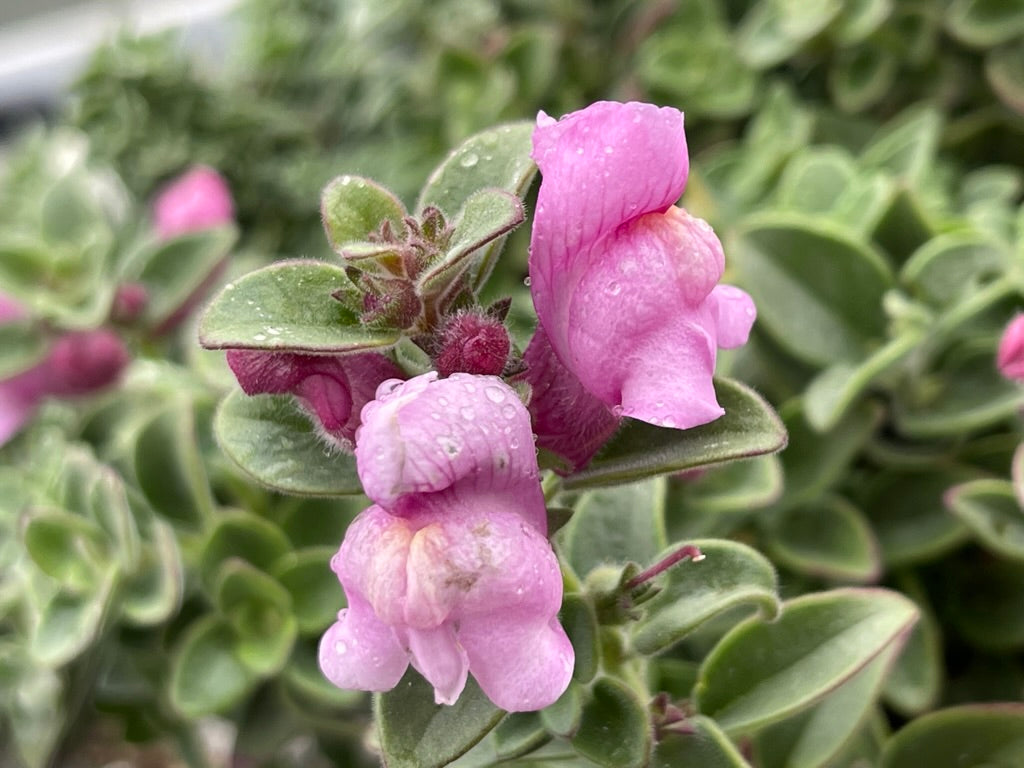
[858, 19]
[289, 306]
[487, 215]
[315, 594]
[813, 737]
[749, 428]
[174, 271]
[206, 675]
[614, 731]
[817, 287]
[616, 525]
[861, 76]
[70, 214]
[69, 624]
[774, 30]
[169, 468]
[1004, 70]
[155, 590]
[828, 539]
[731, 574]
[760, 673]
[831, 394]
[972, 734]
[814, 461]
[985, 23]
[417, 733]
[497, 157]
[702, 744]
[908, 515]
[990, 509]
[69, 549]
[983, 599]
[22, 345]
[953, 264]
[815, 180]
[906, 146]
[259, 611]
[352, 208]
[275, 442]
[308, 689]
[242, 535]
[914, 683]
[579, 621]
[563, 717]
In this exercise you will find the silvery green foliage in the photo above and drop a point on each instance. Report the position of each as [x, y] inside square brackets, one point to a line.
[861, 163]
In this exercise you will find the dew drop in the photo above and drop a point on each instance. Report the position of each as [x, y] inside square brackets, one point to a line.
[614, 288]
[608, 150]
[513, 443]
[579, 150]
[508, 411]
[442, 401]
[495, 395]
[436, 416]
[470, 387]
[340, 648]
[259, 337]
[668, 422]
[519, 590]
[469, 160]
[526, 281]
[467, 413]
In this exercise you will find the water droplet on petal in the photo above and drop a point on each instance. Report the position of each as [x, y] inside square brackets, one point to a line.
[469, 160]
[608, 150]
[467, 413]
[259, 337]
[508, 411]
[442, 401]
[614, 288]
[495, 395]
[526, 281]
[340, 648]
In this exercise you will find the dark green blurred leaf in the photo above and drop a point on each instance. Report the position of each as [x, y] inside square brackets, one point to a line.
[614, 731]
[206, 675]
[316, 595]
[977, 735]
[990, 509]
[702, 743]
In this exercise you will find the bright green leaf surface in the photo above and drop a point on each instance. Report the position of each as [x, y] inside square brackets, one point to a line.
[353, 207]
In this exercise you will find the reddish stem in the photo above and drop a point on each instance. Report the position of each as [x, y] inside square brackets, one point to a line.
[686, 551]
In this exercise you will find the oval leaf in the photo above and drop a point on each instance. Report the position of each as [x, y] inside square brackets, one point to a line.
[749, 428]
[702, 744]
[730, 574]
[990, 509]
[270, 438]
[353, 207]
[760, 673]
[974, 734]
[614, 731]
[417, 733]
[289, 306]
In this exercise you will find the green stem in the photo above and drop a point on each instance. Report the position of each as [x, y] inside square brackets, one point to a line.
[190, 747]
[551, 486]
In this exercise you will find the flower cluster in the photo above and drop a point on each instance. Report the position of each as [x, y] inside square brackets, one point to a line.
[450, 569]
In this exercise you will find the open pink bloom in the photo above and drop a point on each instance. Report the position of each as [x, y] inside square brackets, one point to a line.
[332, 388]
[79, 363]
[198, 199]
[450, 569]
[1011, 350]
[624, 282]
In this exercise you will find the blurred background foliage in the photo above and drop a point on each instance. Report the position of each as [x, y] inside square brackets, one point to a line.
[862, 162]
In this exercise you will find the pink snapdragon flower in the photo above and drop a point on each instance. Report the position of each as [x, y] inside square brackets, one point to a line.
[198, 199]
[626, 284]
[332, 388]
[450, 570]
[1010, 357]
[78, 363]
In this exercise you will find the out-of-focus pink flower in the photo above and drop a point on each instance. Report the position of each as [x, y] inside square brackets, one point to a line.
[624, 282]
[1011, 350]
[450, 569]
[79, 363]
[332, 388]
[198, 199]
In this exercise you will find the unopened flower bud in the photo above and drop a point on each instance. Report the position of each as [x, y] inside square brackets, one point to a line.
[473, 343]
[1011, 350]
[86, 361]
[129, 302]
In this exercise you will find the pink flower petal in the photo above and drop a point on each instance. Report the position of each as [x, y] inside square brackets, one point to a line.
[361, 652]
[427, 435]
[735, 315]
[437, 655]
[521, 666]
[602, 167]
[1010, 357]
[371, 562]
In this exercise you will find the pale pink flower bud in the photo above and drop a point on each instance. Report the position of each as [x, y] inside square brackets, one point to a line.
[624, 283]
[1011, 350]
[198, 199]
[450, 570]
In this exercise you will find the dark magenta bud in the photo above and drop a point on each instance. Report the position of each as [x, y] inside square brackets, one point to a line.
[129, 302]
[472, 343]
